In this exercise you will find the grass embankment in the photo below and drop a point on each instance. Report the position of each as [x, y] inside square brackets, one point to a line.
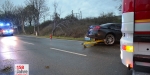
[57, 37]
[66, 38]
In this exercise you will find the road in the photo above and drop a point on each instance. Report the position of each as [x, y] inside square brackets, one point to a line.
[60, 57]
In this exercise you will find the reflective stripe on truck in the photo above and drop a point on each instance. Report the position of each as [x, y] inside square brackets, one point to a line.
[142, 21]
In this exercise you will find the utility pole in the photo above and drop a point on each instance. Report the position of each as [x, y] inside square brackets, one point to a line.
[72, 14]
[77, 15]
[80, 14]
[50, 17]
[44, 18]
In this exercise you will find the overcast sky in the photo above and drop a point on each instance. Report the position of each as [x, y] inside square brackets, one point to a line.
[89, 8]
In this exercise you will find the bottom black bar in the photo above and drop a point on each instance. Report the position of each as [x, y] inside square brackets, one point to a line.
[141, 58]
[142, 38]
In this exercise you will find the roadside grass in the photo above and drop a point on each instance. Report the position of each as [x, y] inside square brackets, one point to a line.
[66, 38]
[58, 37]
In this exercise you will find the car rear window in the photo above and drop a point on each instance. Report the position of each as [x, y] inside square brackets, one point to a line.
[104, 25]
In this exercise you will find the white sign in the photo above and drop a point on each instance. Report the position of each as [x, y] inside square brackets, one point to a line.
[87, 38]
[21, 69]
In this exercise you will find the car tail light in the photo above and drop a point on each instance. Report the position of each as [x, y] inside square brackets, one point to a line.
[96, 27]
[127, 48]
[4, 30]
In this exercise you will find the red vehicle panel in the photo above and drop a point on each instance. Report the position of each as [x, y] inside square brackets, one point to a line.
[142, 21]
[128, 6]
[142, 5]
[142, 9]
[142, 15]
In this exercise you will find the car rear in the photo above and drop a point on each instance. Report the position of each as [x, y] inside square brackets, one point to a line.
[99, 32]
[6, 29]
[93, 31]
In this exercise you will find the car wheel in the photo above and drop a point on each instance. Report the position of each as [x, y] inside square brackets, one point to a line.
[109, 39]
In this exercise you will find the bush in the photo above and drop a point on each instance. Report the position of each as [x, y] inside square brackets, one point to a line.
[76, 28]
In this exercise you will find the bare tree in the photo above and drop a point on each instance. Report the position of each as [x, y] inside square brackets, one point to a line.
[56, 17]
[119, 6]
[41, 8]
[21, 17]
[7, 10]
[1, 12]
[30, 13]
[7, 6]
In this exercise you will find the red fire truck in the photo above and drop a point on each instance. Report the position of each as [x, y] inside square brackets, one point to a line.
[135, 42]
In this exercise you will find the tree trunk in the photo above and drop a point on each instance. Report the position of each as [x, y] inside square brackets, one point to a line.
[17, 30]
[30, 22]
[23, 30]
[54, 27]
[34, 29]
[37, 23]
[53, 31]
[34, 25]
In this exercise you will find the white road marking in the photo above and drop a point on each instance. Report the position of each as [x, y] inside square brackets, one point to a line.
[68, 52]
[28, 43]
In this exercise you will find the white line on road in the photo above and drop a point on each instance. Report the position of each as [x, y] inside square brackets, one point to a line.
[28, 43]
[68, 52]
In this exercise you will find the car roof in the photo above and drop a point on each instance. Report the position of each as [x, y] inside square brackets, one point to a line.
[110, 23]
[105, 24]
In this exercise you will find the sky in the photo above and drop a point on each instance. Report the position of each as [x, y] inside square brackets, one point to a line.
[89, 8]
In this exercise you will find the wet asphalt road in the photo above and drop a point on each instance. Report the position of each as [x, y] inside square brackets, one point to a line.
[60, 57]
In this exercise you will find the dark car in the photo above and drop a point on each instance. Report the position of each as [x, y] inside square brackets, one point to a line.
[109, 32]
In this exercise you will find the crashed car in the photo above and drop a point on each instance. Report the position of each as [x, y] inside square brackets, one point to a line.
[108, 32]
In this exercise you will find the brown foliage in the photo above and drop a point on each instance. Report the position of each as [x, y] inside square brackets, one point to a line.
[77, 28]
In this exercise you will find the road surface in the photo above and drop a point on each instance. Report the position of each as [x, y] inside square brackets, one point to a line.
[60, 57]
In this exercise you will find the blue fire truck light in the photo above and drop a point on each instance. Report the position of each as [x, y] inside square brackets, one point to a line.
[1, 24]
[7, 24]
